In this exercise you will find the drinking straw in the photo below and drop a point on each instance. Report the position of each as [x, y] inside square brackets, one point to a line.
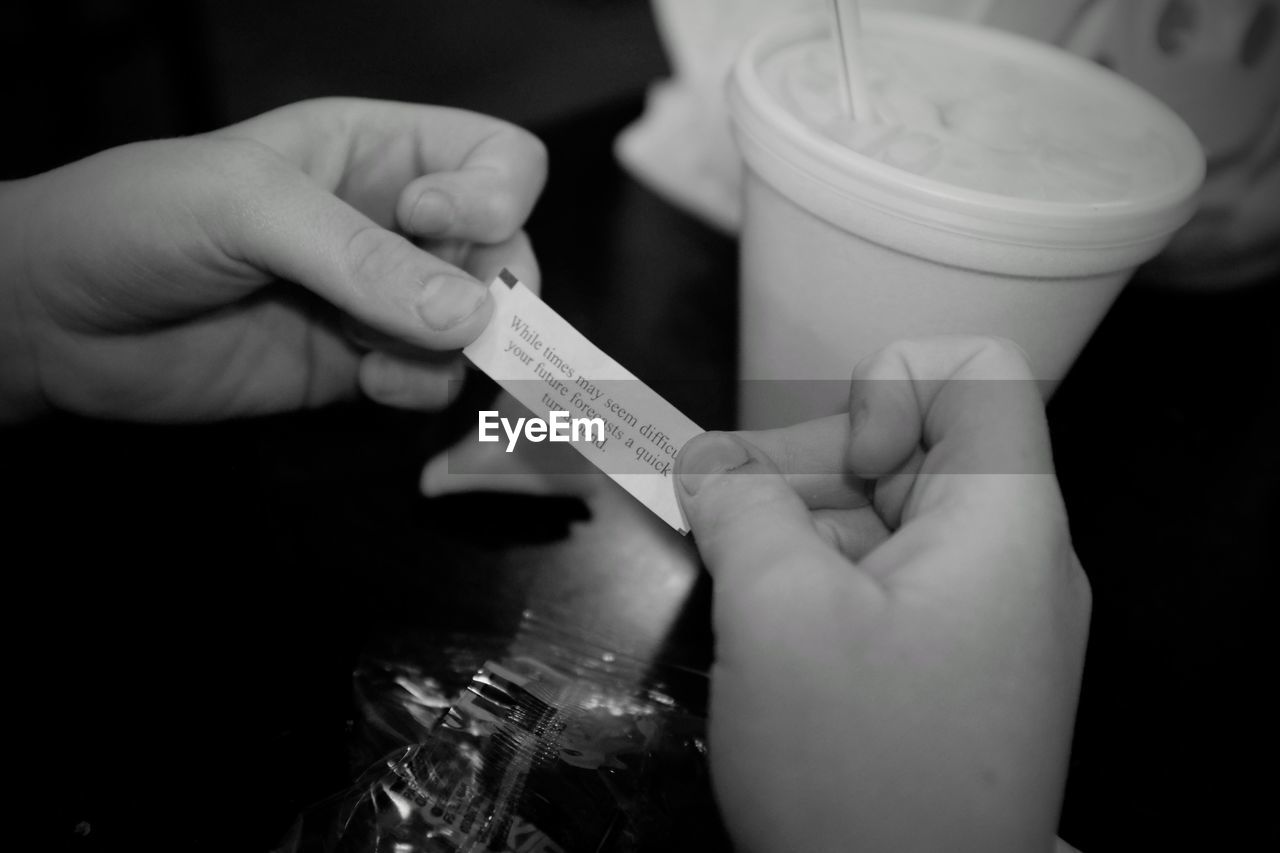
[846, 20]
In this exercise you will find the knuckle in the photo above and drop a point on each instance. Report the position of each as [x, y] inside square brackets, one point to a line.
[1081, 587]
[504, 209]
[1067, 575]
[534, 154]
[540, 158]
[889, 358]
[1004, 351]
[373, 254]
[757, 497]
[501, 215]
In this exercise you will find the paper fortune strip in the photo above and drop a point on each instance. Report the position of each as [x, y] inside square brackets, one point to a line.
[550, 367]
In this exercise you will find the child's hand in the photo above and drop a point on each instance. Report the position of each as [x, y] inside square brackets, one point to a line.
[898, 657]
[199, 278]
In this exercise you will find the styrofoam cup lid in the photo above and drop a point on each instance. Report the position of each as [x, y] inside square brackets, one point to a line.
[1075, 156]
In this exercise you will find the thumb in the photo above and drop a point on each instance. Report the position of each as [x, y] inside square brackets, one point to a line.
[748, 522]
[296, 230]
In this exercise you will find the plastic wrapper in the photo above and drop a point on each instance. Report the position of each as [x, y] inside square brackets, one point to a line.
[551, 742]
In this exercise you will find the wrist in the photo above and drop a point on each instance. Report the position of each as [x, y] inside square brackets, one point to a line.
[21, 393]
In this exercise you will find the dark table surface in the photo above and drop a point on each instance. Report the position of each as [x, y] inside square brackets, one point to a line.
[190, 601]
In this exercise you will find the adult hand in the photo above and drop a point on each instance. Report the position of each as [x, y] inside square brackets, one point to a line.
[230, 273]
[900, 619]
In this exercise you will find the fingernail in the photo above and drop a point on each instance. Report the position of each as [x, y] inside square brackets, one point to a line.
[380, 376]
[433, 211]
[707, 456]
[447, 300]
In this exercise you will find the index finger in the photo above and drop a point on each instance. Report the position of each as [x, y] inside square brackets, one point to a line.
[385, 157]
[970, 401]
[483, 193]
[956, 424]
[812, 458]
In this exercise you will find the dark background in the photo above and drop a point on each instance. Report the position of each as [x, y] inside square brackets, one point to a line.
[186, 603]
